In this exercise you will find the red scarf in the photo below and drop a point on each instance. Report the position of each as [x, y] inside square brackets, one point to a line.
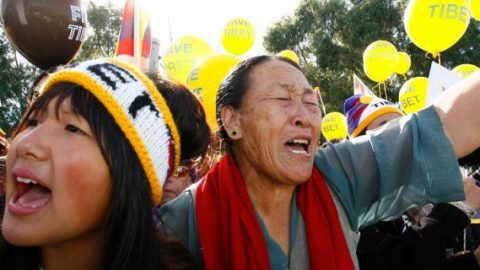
[231, 238]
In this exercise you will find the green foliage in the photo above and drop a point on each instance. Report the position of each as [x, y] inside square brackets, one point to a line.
[17, 76]
[331, 35]
[104, 23]
[15, 83]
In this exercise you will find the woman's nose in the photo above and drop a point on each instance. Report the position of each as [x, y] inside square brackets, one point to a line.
[301, 115]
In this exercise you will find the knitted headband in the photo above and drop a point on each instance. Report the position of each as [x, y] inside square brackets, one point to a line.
[362, 110]
[3, 140]
[137, 107]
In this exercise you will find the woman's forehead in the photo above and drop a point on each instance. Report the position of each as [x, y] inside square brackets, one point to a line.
[278, 75]
[275, 70]
[274, 66]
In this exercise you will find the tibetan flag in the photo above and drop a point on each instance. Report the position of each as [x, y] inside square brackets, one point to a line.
[360, 88]
[135, 41]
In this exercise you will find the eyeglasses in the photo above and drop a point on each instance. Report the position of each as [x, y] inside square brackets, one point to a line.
[188, 167]
[182, 171]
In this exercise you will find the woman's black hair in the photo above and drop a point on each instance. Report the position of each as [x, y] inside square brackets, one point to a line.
[131, 239]
[189, 116]
[233, 89]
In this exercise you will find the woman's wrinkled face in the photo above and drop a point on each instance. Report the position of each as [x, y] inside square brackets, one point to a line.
[279, 123]
[58, 183]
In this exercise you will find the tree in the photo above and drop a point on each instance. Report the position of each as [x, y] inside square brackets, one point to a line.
[104, 21]
[15, 80]
[17, 76]
[331, 35]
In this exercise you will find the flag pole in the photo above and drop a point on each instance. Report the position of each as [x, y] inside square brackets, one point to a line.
[317, 89]
[136, 34]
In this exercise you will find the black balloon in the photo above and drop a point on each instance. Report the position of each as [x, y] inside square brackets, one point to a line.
[47, 33]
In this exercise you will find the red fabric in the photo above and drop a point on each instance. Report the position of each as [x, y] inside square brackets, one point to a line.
[231, 238]
[327, 248]
[126, 38]
[147, 42]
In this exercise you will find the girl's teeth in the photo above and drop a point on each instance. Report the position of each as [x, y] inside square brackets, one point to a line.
[26, 180]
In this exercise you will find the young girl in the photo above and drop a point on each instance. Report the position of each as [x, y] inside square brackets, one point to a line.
[190, 120]
[84, 171]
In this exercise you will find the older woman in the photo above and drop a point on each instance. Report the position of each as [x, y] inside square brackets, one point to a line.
[276, 202]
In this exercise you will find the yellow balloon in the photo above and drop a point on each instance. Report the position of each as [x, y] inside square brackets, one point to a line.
[413, 94]
[465, 69]
[334, 126]
[205, 79]
[475, 9]
[403, 64]
[379, 60]
[290, 55]
[181, 55]
[435, 25]
[238, 36]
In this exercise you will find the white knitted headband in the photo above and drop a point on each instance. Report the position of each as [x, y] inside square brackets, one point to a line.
[137, 107]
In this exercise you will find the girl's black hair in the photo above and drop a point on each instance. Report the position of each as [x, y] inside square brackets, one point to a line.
[131, 239]
[233, 89]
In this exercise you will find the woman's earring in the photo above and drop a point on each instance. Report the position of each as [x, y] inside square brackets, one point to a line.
[234, 133]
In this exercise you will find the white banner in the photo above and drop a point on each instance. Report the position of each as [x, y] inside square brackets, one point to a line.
[439, 80]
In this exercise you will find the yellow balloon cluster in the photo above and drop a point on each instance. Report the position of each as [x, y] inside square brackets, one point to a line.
[436, 25]
[334, 126]
[475, 9]
[403, 64]
[290, 55]
[181, 55]
[413, 94]
[465, 69]
[205, 79]
[238, 36]
[379, 60]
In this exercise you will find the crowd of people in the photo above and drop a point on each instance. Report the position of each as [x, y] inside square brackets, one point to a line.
[111, 168]
[424, 237]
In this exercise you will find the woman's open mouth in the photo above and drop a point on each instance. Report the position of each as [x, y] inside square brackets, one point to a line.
[298, 146]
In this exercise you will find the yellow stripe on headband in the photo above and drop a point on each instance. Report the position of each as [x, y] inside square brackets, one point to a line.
[128, 96]
[161, 103]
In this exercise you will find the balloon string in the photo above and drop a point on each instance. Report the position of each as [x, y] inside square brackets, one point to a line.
[386, 93]
[378, 85]
[439, 60]
[380, 89]
[404, 77]
[384, 86]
